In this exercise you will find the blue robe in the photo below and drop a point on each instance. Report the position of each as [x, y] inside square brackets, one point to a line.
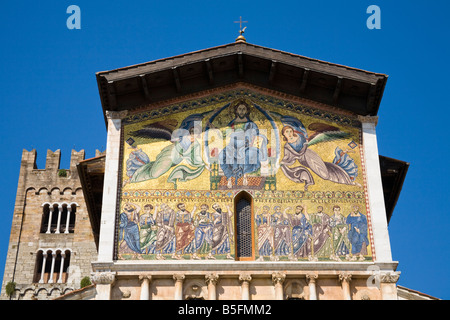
[137, 159]
[301, 231]
[203, 232]
[345, 162]
[129, 231]
[239, 157]
[282, 235]
[357, 239]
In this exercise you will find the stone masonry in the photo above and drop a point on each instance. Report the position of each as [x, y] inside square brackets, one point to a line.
[56, 187]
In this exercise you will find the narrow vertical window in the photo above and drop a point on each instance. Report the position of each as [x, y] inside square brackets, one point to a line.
[45, 218]
[244, 235]
[38, 271]
[63, 219]
[71, 218]
[54, 218]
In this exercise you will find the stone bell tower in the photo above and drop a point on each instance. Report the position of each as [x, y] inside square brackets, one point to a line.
[51, 245]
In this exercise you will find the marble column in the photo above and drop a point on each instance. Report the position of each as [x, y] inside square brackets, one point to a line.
[311, 279]
[69, 210]
[211, 281]
[179, 278]
[345, 279]
[145, 287]
[44, 261]
[278, 279]
[61, 268]
[245, 279]
[52, 269]
[51, 208]
[58, 224]
[103, 284]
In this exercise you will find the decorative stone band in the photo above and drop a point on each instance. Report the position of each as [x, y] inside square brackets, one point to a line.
[103, 277]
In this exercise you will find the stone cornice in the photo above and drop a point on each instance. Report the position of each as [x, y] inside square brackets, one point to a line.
[255, 268]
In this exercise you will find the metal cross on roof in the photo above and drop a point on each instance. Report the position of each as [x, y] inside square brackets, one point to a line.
[241, 31]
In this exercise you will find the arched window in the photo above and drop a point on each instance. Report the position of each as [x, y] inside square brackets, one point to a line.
[53, 220]
[244, 226]
[38, 266]
[45, 218]
[70, 223]
[50, 214]
[52, 266]
[57, 218]
[63, 218]
[67, 220]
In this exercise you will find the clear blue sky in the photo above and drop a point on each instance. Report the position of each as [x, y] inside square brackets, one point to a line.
[49, 96]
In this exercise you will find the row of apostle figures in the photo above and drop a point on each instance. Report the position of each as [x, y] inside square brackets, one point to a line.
[300, 235]
[162, 232]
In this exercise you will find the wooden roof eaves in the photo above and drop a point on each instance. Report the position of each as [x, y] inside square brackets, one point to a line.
[244, 48]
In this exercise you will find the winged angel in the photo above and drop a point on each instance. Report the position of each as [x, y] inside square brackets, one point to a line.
[343, 168]
[183, 150]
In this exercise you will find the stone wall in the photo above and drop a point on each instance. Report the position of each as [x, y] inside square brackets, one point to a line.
[55, 187]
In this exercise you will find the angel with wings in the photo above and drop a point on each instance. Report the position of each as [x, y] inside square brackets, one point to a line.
[183, 154]
[343, 168]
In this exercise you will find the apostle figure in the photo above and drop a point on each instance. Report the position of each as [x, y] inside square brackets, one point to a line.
[185, 232]
[129, 228]
[165, 239]
[282, 234]
[339, 231]
[222, 232]
[203, 231]
[321, 230]
[357, 233]
[301, 232]
[148, 230]
[265, 234]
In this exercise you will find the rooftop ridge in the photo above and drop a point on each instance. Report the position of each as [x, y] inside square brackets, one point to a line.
[238, 44]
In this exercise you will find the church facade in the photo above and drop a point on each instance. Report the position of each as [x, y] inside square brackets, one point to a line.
[235, 172]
